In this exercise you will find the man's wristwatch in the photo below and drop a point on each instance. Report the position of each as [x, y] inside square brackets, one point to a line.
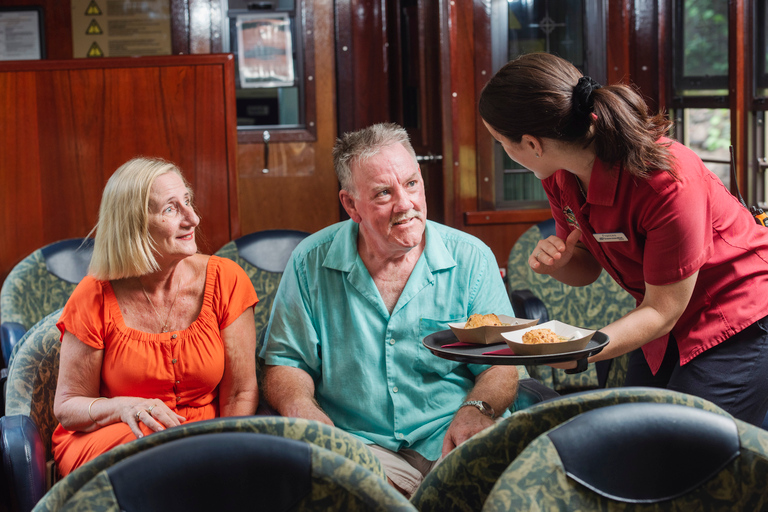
[483, 407]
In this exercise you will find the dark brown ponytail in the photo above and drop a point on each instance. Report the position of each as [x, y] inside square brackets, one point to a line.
[542, 95]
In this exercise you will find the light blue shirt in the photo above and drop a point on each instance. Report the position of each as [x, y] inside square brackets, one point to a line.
[373, 376]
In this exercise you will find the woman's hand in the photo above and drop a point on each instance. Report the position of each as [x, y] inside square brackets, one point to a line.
[152, 412]
[553, 253]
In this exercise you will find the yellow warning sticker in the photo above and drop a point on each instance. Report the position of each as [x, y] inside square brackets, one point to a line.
[95, 51]
[93, 9]
[94, 29]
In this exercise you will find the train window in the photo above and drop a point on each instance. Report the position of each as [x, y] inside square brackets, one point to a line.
[571, 29]
[700, 81]
[272, 44]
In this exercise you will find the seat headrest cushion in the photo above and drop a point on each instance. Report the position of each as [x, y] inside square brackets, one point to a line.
[269, 250]
[69, 259]
[645, 452]
[220, 471]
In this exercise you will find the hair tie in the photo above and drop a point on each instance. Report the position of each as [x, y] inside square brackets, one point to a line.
[583, 102]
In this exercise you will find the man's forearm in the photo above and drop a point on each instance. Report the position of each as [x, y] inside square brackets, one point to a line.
[498, 386]
[291, 392]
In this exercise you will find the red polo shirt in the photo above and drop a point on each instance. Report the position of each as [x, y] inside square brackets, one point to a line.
[660, 231]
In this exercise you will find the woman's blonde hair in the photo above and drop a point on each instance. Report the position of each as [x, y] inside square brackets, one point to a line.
[123, 246]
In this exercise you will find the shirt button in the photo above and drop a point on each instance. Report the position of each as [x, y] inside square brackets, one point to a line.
[178, 381]
[178, 398]
[399, 435]
[173, 361]
[391, 342]
[173, 336]
[394, 389]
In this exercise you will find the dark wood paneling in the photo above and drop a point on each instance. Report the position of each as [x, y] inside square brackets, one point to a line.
[617, 49]
[67, 125]
[740, 89]
[362, 63]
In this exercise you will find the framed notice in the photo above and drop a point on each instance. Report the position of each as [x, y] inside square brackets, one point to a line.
[21, 33]
[265, 53]
[124, 28]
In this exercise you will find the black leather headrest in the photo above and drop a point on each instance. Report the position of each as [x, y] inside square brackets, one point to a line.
[270, 249]
[69, 259]
[546, 228]
[645, 452]
[221, 471]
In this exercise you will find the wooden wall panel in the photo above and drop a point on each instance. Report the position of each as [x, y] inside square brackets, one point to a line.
[67, 125]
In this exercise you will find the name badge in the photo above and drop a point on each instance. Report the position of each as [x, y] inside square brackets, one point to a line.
[611, 237]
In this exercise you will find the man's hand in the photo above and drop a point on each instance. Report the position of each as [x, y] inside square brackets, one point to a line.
[467, 422]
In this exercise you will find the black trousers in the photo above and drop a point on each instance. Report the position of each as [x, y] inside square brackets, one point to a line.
[732, 375]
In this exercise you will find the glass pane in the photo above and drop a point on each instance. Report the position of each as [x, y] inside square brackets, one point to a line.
[708, 133]
[553, 26]
[519, 184]
[281, 105]
[703, 61]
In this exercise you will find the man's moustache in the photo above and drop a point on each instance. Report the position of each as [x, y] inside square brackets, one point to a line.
[407, 216]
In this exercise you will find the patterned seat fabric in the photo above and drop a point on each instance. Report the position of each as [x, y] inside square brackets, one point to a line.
[312, 432]
[464, 479]
[42, 283]
[301, 477]
[264, 276]
[33, 375]
[541, 479]
[592, 307]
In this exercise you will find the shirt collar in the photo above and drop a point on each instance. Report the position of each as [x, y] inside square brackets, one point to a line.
[603, 184]
[342, 254]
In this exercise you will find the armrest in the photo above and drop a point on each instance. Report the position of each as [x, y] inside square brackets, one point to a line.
[10, 334]
[527, 305]
[23, 461]
[530, 392]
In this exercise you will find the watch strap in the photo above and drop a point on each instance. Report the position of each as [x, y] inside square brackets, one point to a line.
[483, 407]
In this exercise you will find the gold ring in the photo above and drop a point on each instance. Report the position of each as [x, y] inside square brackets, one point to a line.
[138, 414]
[150, 409]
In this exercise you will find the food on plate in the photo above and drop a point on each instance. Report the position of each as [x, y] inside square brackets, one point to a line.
[536, 336]
[482, 320]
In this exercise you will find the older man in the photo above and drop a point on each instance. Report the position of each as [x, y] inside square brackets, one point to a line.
[343, 345]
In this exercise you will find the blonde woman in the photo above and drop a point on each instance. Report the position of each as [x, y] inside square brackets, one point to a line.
[157, 334]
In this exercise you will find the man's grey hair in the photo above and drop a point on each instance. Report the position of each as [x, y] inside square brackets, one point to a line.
[363, 144]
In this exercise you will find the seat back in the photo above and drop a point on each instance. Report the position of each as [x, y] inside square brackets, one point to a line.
[263, 255]
[307, 431]
[33, 376]
[238, 471]
[40, 284]
[639, 457]
[464, 479]
[592, 307]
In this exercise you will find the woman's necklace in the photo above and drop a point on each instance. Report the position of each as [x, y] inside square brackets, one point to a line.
[581, 187]
[164, 328]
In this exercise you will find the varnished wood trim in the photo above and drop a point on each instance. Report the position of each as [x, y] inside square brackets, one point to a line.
[507, 216]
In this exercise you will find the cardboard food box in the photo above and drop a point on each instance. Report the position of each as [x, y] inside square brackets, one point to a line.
[575, 338]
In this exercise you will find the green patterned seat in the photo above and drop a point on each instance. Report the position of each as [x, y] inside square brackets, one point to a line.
[639, 458]
[592, 307]
[318, 434]
[464, 479]
[235, 471]
[263, 255]
[40, 284]
[33, 375]
[29, 421]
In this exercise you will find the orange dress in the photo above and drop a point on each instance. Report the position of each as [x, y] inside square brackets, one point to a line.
[181, 368]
